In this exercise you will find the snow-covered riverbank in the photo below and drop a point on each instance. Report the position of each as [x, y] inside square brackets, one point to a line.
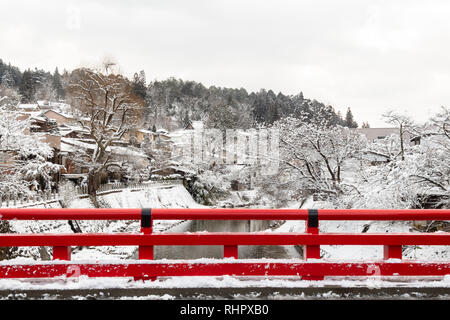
[426, 253]
[159, 197]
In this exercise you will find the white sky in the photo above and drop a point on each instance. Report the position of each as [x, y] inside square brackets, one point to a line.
[368, 55]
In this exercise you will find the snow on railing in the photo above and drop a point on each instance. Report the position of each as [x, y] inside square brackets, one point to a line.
[47, 197]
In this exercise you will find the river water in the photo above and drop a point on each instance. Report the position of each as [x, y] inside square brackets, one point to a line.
[244, 252]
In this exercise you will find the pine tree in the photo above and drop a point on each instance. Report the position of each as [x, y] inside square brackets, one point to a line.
[27, 86]
[7, 80]
[349, 121]
[57, 85]
[186, 120]
[139, 85]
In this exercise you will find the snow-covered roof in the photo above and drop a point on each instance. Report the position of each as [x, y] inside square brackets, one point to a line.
[197, 124]
[145, 131]
[65, 147]
[88, 146]
[39, 118]
[28, 106]
[60, 113]
[374, 156]
[43, 103]
[177, 168]
[74, 175]
[66, 129]
[30, 113]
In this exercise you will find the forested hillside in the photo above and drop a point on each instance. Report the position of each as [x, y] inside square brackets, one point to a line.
[173, 103]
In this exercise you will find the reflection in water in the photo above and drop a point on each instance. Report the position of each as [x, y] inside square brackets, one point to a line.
[196, 252]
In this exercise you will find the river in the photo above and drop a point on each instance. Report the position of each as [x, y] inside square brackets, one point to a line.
[244, 252]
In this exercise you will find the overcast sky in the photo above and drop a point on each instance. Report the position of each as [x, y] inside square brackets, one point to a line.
[370, 56]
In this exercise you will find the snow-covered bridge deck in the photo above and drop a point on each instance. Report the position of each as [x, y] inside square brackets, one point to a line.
[229, 288]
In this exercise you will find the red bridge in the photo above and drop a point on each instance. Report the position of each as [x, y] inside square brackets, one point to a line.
[311, 268]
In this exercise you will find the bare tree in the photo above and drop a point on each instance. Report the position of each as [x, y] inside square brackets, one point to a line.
[316, 153]
[405, 125]
[434, 167]
[107, 107]
[442, 122]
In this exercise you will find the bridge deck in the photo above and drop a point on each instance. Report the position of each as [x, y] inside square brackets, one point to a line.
[229, 288]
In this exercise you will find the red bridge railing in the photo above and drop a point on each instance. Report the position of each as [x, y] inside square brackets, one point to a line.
[310, 268]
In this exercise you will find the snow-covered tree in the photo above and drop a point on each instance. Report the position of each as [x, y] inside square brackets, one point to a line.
[441, 123]
[208, 187]
[315, 153]
[46, 91]
[23, 156]
[9, 97]
[404, 124]
[388, 147]
[7, 79]
[383, 186]
[159, 151]
[434, 165]
[108, 107]
[402, 184]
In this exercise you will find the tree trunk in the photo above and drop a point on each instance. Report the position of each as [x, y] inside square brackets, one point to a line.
[93, 183]
[401, 142]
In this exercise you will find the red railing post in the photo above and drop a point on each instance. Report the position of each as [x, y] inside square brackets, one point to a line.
[312, 251]
[62, 253]
[392, 252]
[146, 252]
[230, 251]
[312, 227]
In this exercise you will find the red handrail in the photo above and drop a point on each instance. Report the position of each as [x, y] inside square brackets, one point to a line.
[223, 214]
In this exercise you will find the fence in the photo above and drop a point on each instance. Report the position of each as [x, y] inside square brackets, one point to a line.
[311, 268]
[35, 198]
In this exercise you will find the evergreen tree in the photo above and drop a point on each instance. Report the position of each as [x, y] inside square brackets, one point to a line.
[27, 86]
[57, 85]
[259, 106]
[186, 120]
[7, 79]
[10, 74]
[139, 85]
[349, 121]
